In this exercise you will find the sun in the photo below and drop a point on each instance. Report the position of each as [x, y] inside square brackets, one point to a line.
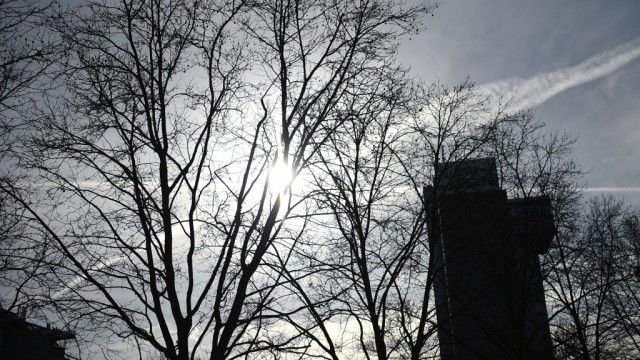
[280, 177]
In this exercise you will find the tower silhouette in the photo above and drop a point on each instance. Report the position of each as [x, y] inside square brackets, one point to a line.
[487, 281]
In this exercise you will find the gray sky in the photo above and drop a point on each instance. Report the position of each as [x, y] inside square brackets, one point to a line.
[576, 63]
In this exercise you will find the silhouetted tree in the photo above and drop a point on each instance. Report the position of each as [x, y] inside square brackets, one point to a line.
[27, 55]
[245, 179]
[379, 265]
[374, 227]
[594, 285]
[534, 162]
[152, 170]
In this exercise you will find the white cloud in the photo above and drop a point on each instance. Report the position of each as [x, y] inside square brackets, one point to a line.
[541, 87]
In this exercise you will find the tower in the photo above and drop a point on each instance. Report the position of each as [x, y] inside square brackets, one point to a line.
[487, 280]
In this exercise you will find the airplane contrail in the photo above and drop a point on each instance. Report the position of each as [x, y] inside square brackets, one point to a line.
[541, 87]
[611, 189]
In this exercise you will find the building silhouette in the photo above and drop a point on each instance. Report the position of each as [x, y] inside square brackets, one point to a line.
[487, 280]
[23, 340]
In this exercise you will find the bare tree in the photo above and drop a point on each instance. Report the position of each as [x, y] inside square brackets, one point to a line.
[239, 179]
[374, 225]
[26, 58]
[588, 269]
[595, 285]
[153, 172]
[27, 53]
[378, 266]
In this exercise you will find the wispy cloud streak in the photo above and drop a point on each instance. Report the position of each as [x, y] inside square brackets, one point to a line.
[541, 87]
[612, 189]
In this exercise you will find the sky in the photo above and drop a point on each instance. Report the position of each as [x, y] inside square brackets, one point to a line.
[576, 63]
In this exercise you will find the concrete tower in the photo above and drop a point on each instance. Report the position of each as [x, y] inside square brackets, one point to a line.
[488, 286]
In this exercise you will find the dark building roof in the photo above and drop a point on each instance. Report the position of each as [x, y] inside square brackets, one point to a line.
[469, 175]
[23, 340]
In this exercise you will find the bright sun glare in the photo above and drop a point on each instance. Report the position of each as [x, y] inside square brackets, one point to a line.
[280, 177]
